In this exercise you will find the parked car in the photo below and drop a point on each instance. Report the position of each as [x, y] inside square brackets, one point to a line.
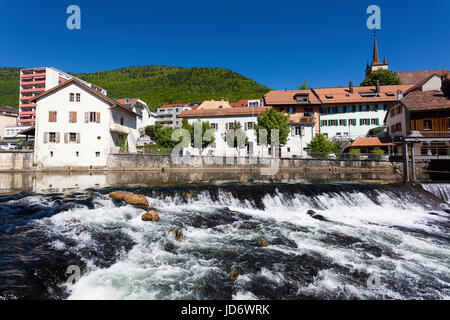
[332, 156]
[5, 146]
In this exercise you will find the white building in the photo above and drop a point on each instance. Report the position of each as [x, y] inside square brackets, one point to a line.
[144, 116]
[353, 112]
[77, 126]
[167, 115]
[36, 81]
[223, 119]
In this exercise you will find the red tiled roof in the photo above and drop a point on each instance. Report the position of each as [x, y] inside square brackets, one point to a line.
[221, 112]
[343, 95]
[123, 101]
[426, 100]
[371, 142]
[279, 97]
[241, 103]
[95, 92]
[415, 77]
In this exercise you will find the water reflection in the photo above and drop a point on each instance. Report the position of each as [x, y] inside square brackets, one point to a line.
[69, 181]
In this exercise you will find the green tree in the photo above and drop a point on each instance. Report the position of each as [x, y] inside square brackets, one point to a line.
[321, 144]
[236, 137]
[206, 138]
[386, 77]
[273, 120]
[151, 130]
[163, 137]
[304, 86]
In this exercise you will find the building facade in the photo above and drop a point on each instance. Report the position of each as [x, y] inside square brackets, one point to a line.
[77, 126]
[8, 121]
[223, 120]
[36, 81]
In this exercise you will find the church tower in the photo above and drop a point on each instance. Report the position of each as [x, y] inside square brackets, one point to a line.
[376, 63]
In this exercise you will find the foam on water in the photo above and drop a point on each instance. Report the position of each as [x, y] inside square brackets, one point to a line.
[385, 232]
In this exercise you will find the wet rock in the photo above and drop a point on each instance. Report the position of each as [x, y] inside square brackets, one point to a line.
[263, 242]
[227, 229]
[234, 274]
[71, 221]
[338, 238]
[447, 210]
[151, 215]
[130, 198]
[20, 230]
[282, 240]
[177, 233]
[316, 216]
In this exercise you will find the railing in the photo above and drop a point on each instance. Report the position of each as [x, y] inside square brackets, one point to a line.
[347, 156]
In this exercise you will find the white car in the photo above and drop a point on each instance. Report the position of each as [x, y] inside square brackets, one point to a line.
[332, 156]
[7, 146]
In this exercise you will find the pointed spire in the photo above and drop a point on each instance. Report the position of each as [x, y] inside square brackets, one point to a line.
[384, 61]
[375, 58]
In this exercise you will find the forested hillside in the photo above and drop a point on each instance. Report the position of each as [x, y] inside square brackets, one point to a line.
[156, 85]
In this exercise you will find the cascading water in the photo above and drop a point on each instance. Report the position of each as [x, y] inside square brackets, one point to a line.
[395, 235]
[441, 190]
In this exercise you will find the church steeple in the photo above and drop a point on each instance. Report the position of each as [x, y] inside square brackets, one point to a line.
[376, 63]
[375, 59]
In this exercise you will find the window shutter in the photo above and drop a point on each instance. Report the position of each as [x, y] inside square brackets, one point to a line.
[45, 137]
[302, 130]
[292, 131]
[57, 137]
[360, 122]
[378, 121]
[50, 116]
[98, 117]
[329, 122]
[78, 137]
[66, 137]
[74, 117]
[345, 122]
[86, 117]
[55, 116]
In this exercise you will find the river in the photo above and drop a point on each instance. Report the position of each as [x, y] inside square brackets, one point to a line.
[370, 236]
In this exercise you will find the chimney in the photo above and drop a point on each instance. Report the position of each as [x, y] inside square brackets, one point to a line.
[399, 95]
[350, 86]
[377, 86]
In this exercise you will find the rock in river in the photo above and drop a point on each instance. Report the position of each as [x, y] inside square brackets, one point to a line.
[130, 198]
[316, 216]
[151, 215]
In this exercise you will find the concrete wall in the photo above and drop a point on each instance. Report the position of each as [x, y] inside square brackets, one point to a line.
[16, 160]
[152, 162]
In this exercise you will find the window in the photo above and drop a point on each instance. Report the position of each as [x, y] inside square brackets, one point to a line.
[393, 128]
[331, 110]
[71, 97]
[374, 121]
[230, 125]
[78, 97]
[364, 121]
[392, 112]
[72, 117]
[92, 117]
[215, 126]
[52, 116]
[97, 154]
[340, 109]
[121, 121]
[338, 133]
[51, 153]
[250, 126]
[372, 107]
[398, 126]
[352, 122]
[298, 130]
[342, 122]
[349, 109]
[363, 108]
[99, 138]
[291, 110]
[332, 122]
[288, 149]
[77, 153]
[399, 109]
[324, 123]
[72, 137]
[427, 124]
[52, 137]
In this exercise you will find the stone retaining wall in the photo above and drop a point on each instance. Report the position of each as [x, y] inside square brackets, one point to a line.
[16, 160]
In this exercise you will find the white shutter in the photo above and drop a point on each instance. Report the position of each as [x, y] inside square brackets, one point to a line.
[45, 137]
[66, 137]
[78, 137]
[57, 137]
[86, 117]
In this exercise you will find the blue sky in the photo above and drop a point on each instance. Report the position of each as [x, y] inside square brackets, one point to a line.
[277, 43]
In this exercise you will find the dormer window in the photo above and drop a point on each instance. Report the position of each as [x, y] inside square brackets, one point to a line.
[302, 98]
[369, 94]
[329, 96]
[390, 94]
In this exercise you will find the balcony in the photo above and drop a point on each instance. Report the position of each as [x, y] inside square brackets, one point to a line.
[26, 98]
[32, 90]
[27, 105]
[115, 127]
[27, 113]
[32, 75]
[27, 120]
[32, 83]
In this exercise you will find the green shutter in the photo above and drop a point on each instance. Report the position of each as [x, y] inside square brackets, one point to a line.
[345, 122]
[360, 122]
[329, 122]
[378, 121]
